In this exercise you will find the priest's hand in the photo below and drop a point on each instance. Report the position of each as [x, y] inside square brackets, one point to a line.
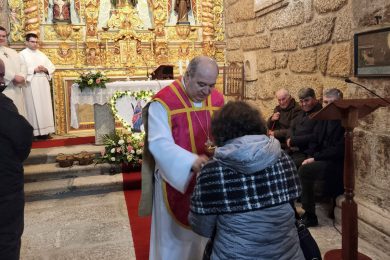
[288, 142]
[199, 163]
[40, 69]
[307, 161]
[18, 80]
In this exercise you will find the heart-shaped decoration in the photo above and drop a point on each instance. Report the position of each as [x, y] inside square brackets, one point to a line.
[127, 108]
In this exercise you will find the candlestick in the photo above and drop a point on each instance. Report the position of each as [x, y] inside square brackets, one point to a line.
[180, 67]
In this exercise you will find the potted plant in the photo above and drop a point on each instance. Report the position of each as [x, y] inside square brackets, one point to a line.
[124, 149]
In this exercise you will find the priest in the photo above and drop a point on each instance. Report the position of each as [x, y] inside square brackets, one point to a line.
[37, 94]
[177, 125]
[15, 74]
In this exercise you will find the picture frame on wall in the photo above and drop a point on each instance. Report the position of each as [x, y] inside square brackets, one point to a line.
[372, 53]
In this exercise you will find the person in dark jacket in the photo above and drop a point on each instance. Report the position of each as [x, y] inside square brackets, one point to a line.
[325, 162]
[301, 132]
[280, 121]
[241, 197]
[15, 143]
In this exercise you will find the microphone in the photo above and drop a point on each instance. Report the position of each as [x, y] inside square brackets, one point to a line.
[348, 80]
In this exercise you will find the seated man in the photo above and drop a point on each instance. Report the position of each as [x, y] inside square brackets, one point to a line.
[326, 162]
[279, 123]
[301, 131]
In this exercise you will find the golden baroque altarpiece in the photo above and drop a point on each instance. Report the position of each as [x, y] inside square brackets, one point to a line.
[126, 39]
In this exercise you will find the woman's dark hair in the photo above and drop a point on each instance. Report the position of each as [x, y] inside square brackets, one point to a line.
[236, 119]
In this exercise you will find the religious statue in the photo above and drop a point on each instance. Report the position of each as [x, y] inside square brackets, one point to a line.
[182, 7]
[61, 11]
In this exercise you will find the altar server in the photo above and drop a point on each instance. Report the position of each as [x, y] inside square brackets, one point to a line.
[177, 125]
[14, 75]
[37, 94]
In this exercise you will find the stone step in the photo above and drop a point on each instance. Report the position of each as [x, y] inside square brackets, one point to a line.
[51, 171]
[78, 186]
[48, 155]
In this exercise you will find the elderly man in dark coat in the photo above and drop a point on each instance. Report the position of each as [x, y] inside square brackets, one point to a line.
[280, 121]
[325, 162]
[15, 144]
[301, 132]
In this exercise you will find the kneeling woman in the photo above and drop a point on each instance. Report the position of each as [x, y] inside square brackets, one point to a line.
[242, 195]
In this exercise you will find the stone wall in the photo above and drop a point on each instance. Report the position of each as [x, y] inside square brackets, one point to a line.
[310, 43]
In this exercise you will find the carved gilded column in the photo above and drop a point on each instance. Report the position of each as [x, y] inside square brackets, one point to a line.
[16, 20]
[207, 20]
[159, 16]
[31, 16]
[218, 21]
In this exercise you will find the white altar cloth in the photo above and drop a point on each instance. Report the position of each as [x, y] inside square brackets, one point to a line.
[102, 96]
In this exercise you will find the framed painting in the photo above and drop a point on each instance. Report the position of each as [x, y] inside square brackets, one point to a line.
[372, 53]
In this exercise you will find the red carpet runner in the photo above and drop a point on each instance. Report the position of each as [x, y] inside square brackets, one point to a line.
[63, 142]
[140, 226]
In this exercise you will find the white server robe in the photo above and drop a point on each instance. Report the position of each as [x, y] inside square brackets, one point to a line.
[168, 240]
[37, 94]
[13, 66]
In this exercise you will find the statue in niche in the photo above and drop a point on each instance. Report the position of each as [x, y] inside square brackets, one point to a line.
[182, 7]
[62, 11]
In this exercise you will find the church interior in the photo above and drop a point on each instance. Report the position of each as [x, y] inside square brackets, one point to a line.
[90, 211]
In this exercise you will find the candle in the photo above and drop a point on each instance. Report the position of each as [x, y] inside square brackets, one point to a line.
[180, 67]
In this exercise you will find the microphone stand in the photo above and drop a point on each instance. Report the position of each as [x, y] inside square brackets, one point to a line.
[369, 90]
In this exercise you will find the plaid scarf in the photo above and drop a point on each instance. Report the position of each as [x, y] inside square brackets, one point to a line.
[221, 189]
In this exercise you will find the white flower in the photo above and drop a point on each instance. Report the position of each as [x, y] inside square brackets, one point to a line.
[112, 159]
[139, 151]
[129, 157]
[112, 150]
[120, 142]
[132, 151]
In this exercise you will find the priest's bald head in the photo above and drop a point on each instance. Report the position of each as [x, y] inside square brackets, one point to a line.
[200, 78]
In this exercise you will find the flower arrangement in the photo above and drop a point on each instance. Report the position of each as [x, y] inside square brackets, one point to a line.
[143, 95]
[92, 80]
[123, 148]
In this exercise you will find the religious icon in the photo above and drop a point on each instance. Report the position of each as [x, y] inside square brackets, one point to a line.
[137, 117]
[93, 57]
[91, 29]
